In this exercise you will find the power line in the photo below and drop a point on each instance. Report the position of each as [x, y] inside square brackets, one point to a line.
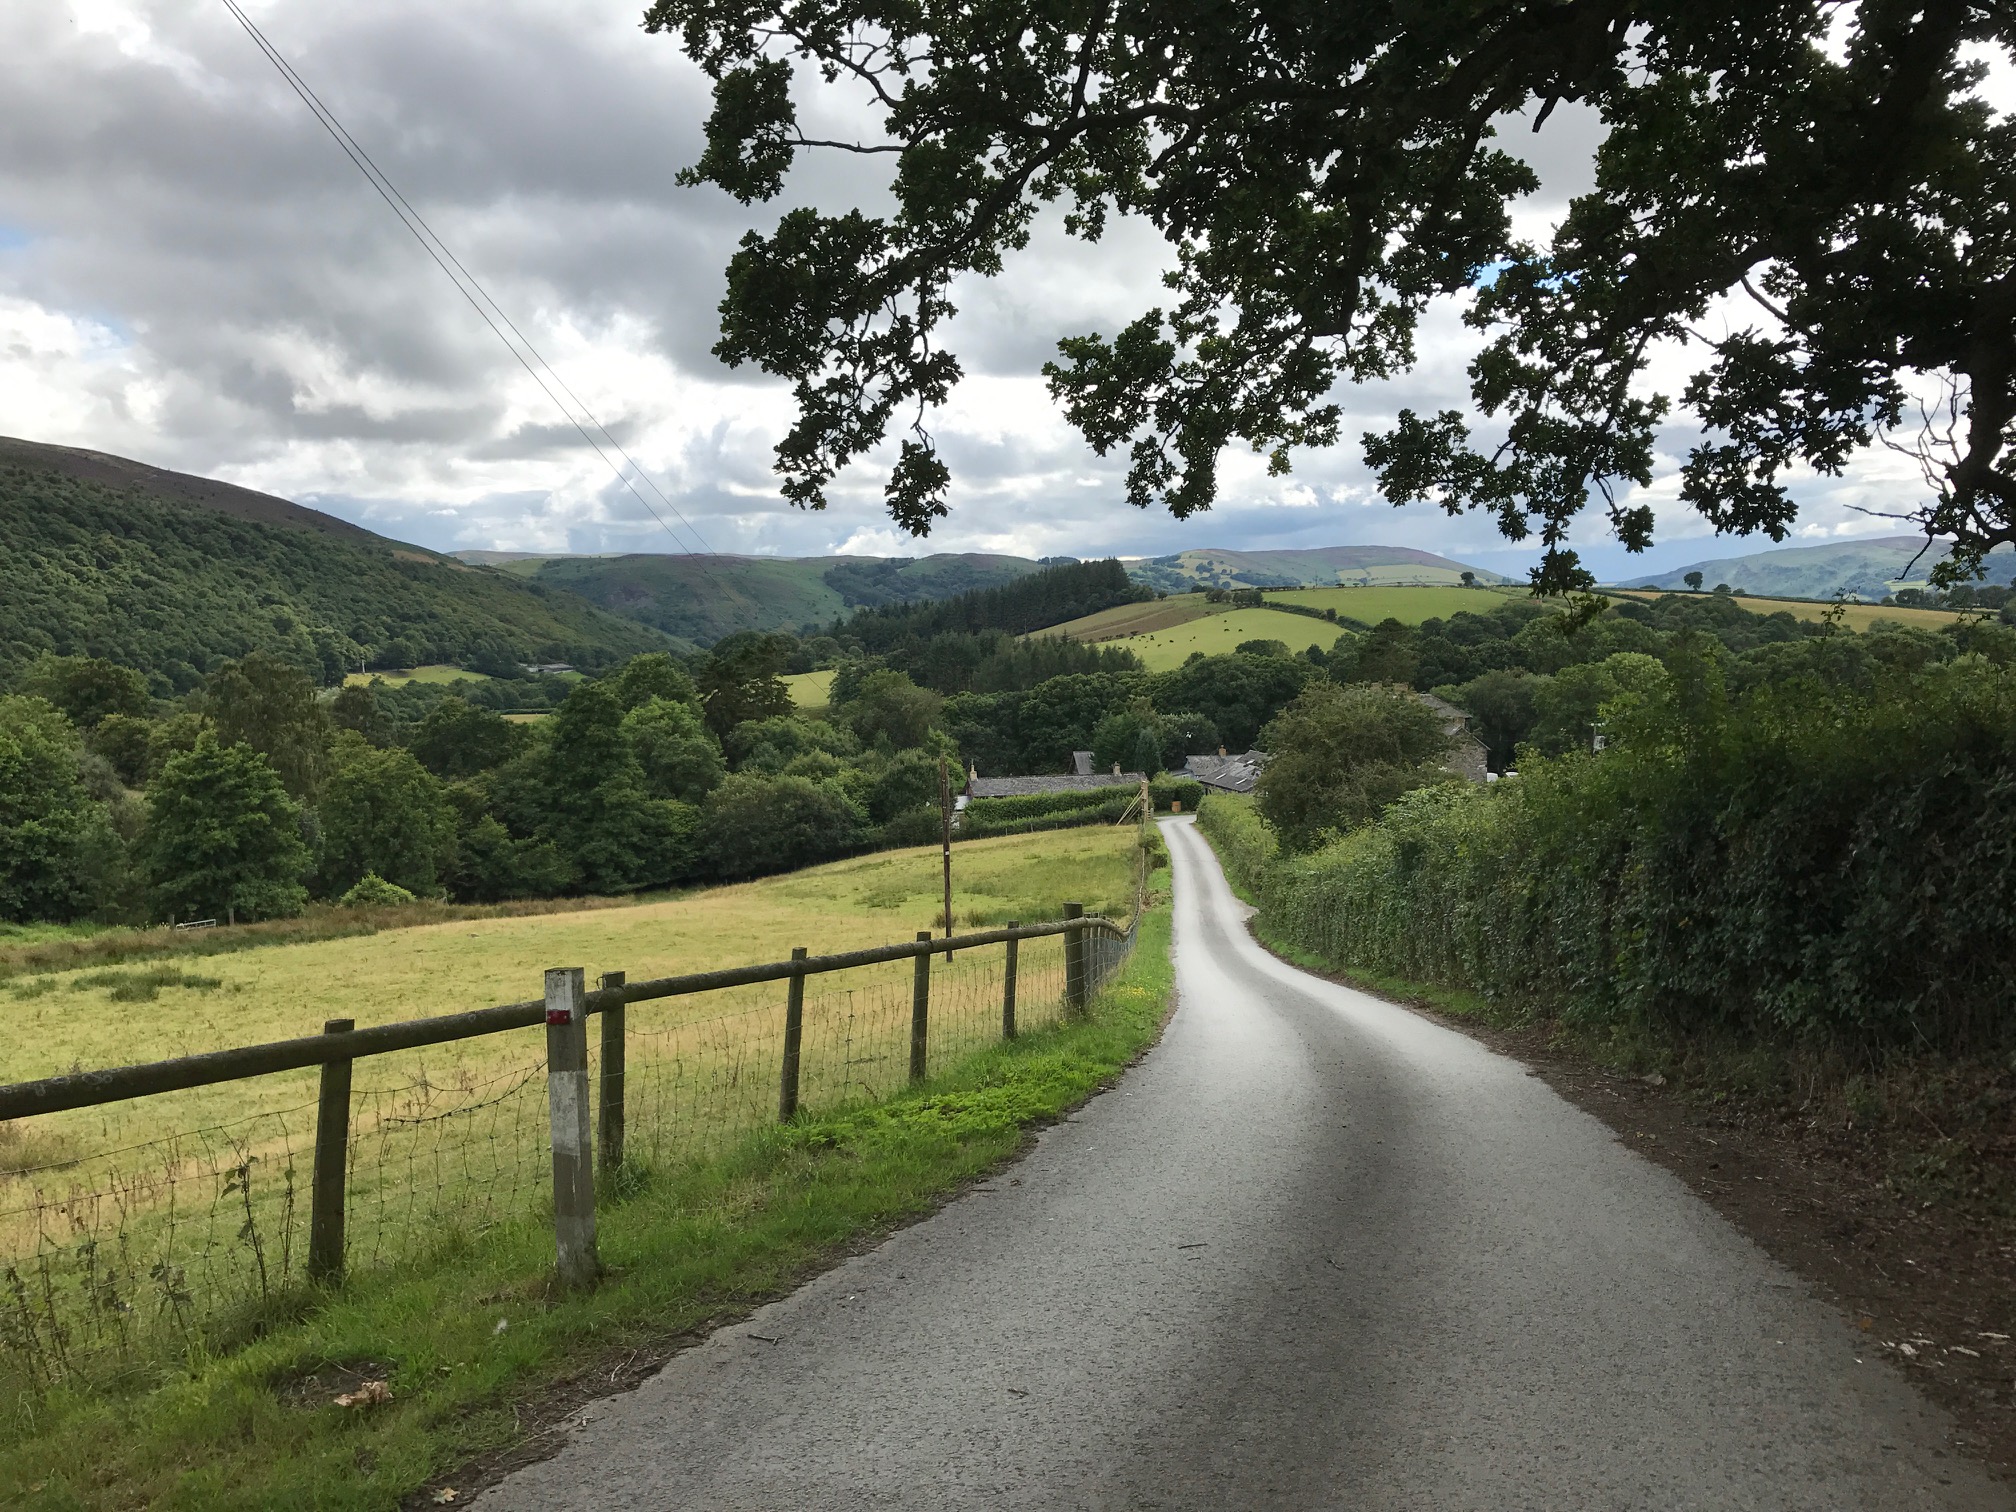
[471, 289]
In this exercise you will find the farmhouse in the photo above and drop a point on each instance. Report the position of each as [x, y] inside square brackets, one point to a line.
[1225, 774]
[1080, 778]
[1467, 754]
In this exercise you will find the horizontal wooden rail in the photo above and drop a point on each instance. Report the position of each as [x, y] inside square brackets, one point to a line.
[57, 1094]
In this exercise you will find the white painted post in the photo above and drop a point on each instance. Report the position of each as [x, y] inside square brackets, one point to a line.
[573, 1150]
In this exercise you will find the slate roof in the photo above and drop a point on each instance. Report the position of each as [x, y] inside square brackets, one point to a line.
[1228, 774]
[1072, 782]
[1467, 754]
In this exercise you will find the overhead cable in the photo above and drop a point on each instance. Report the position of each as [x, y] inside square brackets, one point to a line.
[472, 290]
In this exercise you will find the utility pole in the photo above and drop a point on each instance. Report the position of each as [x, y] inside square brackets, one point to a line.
[945, 817]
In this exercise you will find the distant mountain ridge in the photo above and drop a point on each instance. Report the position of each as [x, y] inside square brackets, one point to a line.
[1868, 569]
[699, 599]
[172, 575]
[122, 473]
[1310, 567]
[702, 599]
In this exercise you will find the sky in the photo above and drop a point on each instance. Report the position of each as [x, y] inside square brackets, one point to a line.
[191, 274]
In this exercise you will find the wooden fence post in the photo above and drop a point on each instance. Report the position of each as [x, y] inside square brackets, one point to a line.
[1074, 960]
[332, 1159]
[609, 1094]
[1008, 986]
[567, 1099]
[920, 1008]
[794, 1034]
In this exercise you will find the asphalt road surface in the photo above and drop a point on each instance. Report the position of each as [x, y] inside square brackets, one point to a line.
[1314, 1252]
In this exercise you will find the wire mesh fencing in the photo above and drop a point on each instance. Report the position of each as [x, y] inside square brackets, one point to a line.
[114, 1250]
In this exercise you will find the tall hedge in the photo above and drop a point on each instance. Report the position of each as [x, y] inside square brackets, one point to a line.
[1802, 863]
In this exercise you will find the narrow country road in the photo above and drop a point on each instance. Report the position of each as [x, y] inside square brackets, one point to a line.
[1314, 1252]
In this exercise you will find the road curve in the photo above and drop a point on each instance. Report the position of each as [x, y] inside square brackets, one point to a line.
[1314, 1252]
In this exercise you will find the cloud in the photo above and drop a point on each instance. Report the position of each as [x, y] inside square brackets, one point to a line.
[192, 274]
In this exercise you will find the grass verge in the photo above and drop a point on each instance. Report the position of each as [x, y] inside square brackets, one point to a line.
[474, 1333]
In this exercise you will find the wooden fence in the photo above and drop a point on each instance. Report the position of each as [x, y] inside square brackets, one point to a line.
[1093, 948]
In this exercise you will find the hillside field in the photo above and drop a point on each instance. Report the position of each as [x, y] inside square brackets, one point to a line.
[1214, 635]
[1410, 606]
[1166, 632]
[440, 674]
[58, 1021]
[1855, 617]
[811, 691]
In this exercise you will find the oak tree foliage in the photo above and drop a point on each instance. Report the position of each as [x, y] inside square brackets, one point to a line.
[1323, 172]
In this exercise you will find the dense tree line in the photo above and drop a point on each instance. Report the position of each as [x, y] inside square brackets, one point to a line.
[257, 792]
[1060, 592]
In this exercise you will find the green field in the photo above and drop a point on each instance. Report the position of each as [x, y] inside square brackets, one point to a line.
[810, 690]
[439, 674]
[1214, 635]
[189, 1207]
[473, 1339]
[1854, 616]
[1410, 606]
[1167, 632]
[56, 1021]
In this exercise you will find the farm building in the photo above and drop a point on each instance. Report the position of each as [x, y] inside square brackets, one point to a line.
[1225, 774]
[1467, 754]
[1077, 780]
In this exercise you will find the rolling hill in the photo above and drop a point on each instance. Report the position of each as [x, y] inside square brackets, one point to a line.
[172, 574]
[703, 598]
[1865, 569]
[1317, 567]
[700, 599]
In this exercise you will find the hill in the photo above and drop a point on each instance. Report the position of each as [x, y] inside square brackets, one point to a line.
[704, 598]
[1317, 567]
[123, 475]
[1866, 569]
[172, 574]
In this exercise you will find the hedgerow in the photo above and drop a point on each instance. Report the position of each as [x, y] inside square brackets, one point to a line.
[1804, 862]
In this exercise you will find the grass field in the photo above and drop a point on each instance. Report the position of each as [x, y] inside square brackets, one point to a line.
[57, 1021]
[439, 674]
[1167, 632]
[1125, 620]
[1410, 606]
[471, 1337]
[190, 1207]
[1854, 616]
[1214, 635]
[811, 690]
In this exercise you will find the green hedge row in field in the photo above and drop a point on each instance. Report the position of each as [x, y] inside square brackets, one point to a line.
[1024, 812]
[1806, 862]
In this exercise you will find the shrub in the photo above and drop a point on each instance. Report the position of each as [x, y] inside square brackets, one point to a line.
[1105, 806]
[1340, 755]
[373, 891]
[1244, 844]
[924, 826]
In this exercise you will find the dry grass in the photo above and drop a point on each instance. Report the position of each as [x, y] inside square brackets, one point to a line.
[192, 1205]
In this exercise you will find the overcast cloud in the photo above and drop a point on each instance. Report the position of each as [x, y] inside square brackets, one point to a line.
[193, 275]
